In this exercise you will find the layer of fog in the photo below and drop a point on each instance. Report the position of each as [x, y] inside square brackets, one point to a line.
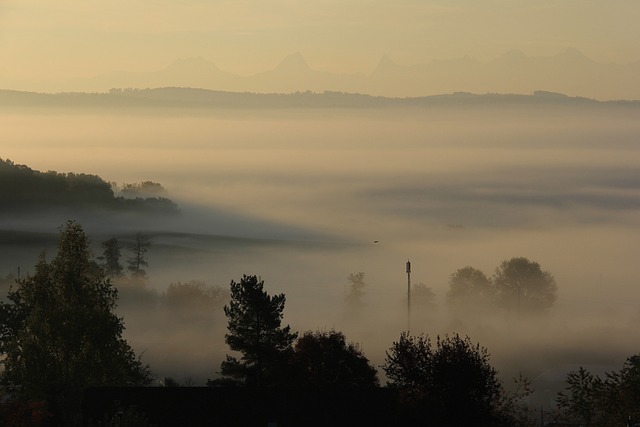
[299, 198]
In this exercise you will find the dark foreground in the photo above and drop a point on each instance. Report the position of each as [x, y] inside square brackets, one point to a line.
[239, 406]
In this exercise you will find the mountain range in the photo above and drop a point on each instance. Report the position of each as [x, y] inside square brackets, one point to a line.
[569, 72]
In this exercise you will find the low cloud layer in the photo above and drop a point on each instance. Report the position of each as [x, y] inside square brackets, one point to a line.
[303, 199]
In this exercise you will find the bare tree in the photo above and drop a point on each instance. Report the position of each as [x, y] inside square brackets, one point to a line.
[138, 248]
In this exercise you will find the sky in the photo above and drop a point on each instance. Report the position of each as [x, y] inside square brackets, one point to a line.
[53, 41]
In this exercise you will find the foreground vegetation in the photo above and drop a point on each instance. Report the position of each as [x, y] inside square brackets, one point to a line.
[59, 336]
[59, 333]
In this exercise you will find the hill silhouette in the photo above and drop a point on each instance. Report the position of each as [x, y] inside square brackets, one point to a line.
[569, 71]
[23, 189]
[194, 98]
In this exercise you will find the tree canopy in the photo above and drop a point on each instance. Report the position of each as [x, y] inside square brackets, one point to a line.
[452, 383]
[521, 285]
[254, 330]
[592, 401]
[579, 402]
[59, 333]
[470, 289]
[408, 366]
[23, 189]
[325, 359]
[518, 285]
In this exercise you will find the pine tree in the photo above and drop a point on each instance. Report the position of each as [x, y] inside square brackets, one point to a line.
[255, 331]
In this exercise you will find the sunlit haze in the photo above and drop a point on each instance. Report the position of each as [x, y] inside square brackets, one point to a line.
[443, 188]
[69, 45]
[485, 130]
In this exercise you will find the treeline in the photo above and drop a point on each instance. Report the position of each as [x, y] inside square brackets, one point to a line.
[518, 285]
[193, 298]
[591, 401]
[24, 189]
[59, 336]
[192, 98]
[449, 383]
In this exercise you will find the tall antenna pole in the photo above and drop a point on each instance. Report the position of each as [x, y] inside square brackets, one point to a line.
[408, 295]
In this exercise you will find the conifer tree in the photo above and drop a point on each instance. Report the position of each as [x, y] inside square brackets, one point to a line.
[255, 331]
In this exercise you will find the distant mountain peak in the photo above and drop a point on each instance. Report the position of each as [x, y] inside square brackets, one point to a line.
[571, 51]
[294, 61]
[385, 60]
[511, 59]
[573, 54]
[386, 64]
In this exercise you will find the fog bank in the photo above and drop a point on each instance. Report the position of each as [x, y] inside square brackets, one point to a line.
[303, 198]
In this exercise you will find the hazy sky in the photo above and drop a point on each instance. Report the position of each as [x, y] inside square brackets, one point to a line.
[45, 40]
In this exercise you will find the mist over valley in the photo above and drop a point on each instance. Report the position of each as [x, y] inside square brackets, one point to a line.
[304, 197]
[319, 213]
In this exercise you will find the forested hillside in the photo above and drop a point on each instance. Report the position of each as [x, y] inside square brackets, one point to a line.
[25, 189]
[202, 99]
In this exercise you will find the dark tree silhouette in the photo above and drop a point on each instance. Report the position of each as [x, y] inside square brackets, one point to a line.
[59, 333]
[138, 248]
[111, 258]
[408, 366]
[522, 286]
[451, 384]
[325, 359]
[255, 331]
[627, 383]
[612, 401]
[578, 402]
[22, 188]
[142, 189]
[465, 385]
